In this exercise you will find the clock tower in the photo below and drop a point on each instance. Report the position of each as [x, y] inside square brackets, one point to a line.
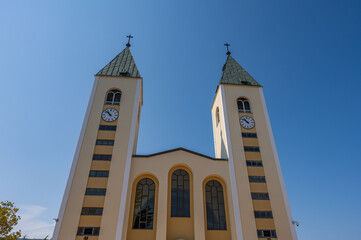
[101, 164]
[242, 133]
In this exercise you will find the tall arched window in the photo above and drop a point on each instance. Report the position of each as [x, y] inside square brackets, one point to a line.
[216, 214]
[180, 194]
[144, 204]
[113, 97]
[217, 116]
[243, 105]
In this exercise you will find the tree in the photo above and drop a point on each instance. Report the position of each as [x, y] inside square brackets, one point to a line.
[8, 219]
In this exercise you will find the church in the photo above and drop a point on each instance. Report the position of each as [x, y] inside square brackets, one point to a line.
[114, 194]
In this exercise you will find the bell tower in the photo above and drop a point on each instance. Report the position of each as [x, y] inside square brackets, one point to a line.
[243, 135]
[93, 206]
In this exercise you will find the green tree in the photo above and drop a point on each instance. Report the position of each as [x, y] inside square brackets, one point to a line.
[8, 219]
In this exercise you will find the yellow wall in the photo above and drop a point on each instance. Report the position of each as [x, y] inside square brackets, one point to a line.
[160, 167]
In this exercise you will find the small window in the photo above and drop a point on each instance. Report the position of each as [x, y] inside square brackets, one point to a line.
[107, 127]
[95, 191]
[254, 163]
[217, 116]
[257, 179]
[180, 194]
[88, 231]
[113, 97]
[215, 209]
[105, 142]
[263, 214]
[243, 105]
[266, 233]
[144, 204]
[251, 149]
[260, 196]
[99, 173]
[102, 157]
[91, 211]
[249, 135]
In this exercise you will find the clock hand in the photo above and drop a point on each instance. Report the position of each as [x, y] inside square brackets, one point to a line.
[246, 121]
[109, 113]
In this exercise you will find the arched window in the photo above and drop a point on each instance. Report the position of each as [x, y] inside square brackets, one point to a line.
[180, 194]
[113, 97]
[217, 116]
[144, 204]
[216, 214]
[243, 105]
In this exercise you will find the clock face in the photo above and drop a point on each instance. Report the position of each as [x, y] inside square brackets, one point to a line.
[110, 114]
[247, 122]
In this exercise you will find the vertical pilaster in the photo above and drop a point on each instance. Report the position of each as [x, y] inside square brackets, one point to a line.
[161, 226]
[199, 217]
[124, 193]
[232, 170]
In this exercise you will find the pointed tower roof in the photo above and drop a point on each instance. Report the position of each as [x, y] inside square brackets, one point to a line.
[233, 73]
[122, 65]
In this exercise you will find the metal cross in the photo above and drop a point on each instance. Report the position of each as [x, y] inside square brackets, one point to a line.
[129, 37]
[227, 45]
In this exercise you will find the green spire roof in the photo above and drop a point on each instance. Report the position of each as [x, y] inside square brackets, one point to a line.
[233, 73]
[122, 65]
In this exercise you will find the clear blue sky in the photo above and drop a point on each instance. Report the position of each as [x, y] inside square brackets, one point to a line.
[306, 54]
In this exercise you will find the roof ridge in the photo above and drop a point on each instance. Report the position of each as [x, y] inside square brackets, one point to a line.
[178, 149]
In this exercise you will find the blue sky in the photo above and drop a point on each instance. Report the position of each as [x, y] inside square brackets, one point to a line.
[306, 54]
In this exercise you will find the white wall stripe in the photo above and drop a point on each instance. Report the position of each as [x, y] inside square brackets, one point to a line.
[232, 171]
[74, 164]
[279, 172]
[123, 199]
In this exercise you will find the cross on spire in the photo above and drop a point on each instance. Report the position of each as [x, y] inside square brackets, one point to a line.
[227, 45]
[129, 37]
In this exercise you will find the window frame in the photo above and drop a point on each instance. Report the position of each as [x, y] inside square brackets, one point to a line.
[113, 101]
[251, 149]
[97, 173]
[136, 200]
[249, 135]
[254, 163]
[263, 214]
[104, 142]
[257, 179]
[217, 116]
[261, 234]
[107, 127]
[87, 211]
[259, 196]
[81, 231]
[95, 191]
[221, 204]
[243, 100]
[102, 157]
[182, 203]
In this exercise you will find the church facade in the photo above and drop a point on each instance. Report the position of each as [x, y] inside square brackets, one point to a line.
[114, 194]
